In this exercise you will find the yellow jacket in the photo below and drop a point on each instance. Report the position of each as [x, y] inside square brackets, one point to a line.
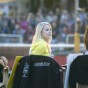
[40, 48]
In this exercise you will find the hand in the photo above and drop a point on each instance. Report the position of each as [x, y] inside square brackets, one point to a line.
[1, 62]
[4, 61]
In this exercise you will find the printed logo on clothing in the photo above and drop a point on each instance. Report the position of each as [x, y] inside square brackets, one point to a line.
[41, 64]
[25, 70]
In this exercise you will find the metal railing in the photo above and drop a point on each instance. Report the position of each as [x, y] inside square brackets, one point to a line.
[11, 38]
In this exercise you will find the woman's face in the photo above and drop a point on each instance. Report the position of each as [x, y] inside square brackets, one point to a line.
[46, 32]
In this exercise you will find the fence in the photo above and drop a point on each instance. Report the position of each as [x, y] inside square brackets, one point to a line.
[11, 38]
[60, 51]
[70, 38]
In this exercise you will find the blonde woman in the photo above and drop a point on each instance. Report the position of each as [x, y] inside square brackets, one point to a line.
[41, 40]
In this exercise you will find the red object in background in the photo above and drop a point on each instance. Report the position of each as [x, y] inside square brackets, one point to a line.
[59, 59]
[11, 62]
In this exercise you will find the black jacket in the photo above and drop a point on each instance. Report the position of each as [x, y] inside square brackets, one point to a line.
[79, 71]
[1, 73]
[38, 72]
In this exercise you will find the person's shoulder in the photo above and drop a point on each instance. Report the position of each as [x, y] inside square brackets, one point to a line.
[83, 56]
[40, 42]
[73, 56]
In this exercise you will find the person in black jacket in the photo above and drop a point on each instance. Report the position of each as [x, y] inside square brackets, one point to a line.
[79, 67]
[37, 71]
[79, 71]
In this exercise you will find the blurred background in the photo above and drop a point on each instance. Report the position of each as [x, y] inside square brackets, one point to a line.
[18, 19]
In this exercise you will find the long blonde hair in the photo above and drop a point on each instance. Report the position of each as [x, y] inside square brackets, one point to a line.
[39, 28]
[86, 38]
